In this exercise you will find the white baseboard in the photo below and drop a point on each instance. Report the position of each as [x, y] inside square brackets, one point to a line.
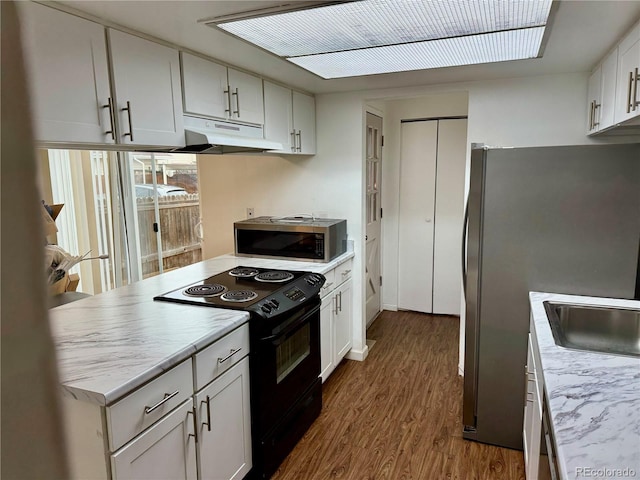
[392, 308]
[358, 355]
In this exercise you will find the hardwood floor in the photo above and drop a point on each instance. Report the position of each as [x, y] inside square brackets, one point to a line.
[398, 415]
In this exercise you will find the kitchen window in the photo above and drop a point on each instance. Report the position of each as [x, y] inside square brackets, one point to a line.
[134, 224]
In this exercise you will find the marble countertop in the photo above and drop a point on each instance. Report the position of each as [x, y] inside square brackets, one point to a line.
[594, 399]
[110, 344]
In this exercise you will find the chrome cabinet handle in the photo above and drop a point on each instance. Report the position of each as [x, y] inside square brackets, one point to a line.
[634, 102]
[232, 352]
[340, 297]
[228, 92]
[591, 115]
[335, 306]
[195, 423]
[208, 422]
[237, 95]
[128, 110]
[327, 285]
[346, 272]
[299, 137]
[293, 140]
[629, 105]
[167, 397]
[596, 106]
[111, 132]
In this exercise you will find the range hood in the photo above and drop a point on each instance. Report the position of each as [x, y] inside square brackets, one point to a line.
[219, 137]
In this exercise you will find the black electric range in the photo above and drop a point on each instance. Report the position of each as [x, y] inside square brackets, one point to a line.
[284, 360]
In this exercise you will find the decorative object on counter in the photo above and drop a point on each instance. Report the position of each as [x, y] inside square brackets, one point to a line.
[58, 262]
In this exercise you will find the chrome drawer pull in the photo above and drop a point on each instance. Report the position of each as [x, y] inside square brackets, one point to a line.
[167, 397]
[346, 272]
[231, 354]
[195, 425]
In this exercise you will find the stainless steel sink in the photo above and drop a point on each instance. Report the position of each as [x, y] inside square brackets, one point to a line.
[595, 329]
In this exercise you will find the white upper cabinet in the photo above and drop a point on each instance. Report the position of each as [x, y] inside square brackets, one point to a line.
[614, 88]
[205, 86]
[247, 101]
[146, 78]
[304, 123]
[213, 90]
[278, 115]
[628, 90]
[66, 57]
[290, 118]
[609, 74]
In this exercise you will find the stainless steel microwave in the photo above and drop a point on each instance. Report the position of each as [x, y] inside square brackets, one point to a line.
[292, 238]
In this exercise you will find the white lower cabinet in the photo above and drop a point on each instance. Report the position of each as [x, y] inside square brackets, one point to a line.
[335, 318]
[532, 434]
[167, 450]
[224, 425]
[163, 430]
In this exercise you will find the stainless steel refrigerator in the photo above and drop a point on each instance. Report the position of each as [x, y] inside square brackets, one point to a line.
[550, 219]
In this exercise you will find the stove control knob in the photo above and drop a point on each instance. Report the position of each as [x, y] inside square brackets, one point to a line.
[274, 303]
[266, 308]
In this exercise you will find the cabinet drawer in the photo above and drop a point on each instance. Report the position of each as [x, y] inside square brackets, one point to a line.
[344, 272]
[142, 408]
[329, 284]
[220, 356]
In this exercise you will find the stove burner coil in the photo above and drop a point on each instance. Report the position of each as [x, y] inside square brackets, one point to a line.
[243, 272]
[205, 290]
[276, 276]
[238, 295]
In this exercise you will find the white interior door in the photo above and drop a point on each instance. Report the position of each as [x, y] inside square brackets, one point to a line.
[418, 156]
[374, 159]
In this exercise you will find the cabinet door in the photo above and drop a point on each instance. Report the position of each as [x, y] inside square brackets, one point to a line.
[593, 99]
[604, 114]
[247, 101]
[628, 91]
[146, 78]
[278, 120]
[205, 85]
[304, 122]
[326, 336]
[342, 324]
[224, 425]
[167, 450]
[66, 57]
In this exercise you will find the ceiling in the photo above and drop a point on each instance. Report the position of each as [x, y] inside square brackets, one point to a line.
[581, 33]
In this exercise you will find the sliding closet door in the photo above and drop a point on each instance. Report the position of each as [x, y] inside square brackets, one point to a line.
[416, 218]
[432, 170]
[447, 265]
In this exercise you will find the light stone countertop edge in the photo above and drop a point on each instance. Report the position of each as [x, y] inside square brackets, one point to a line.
[593, 398]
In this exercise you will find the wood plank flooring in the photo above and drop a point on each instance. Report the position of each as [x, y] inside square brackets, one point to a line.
[398, 415]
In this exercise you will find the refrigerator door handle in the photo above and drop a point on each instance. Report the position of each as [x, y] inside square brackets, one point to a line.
[465, 224]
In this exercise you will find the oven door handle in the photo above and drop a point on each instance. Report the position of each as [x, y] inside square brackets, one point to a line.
[290, 328]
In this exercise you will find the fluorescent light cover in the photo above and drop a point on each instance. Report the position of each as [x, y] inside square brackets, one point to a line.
[369, 30]
[474, 49]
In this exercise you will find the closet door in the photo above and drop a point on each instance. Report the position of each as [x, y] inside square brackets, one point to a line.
[416, 220]
[447, 268]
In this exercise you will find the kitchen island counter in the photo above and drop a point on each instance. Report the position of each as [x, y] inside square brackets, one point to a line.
[593, 399]
[110, 344]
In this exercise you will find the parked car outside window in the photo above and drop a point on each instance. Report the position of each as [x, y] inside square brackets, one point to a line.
[146, 190]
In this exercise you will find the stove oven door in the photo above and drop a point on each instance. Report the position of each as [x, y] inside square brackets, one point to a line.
[286, 364]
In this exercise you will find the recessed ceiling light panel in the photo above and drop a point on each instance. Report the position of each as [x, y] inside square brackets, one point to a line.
[474, 49]
[410, 34]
